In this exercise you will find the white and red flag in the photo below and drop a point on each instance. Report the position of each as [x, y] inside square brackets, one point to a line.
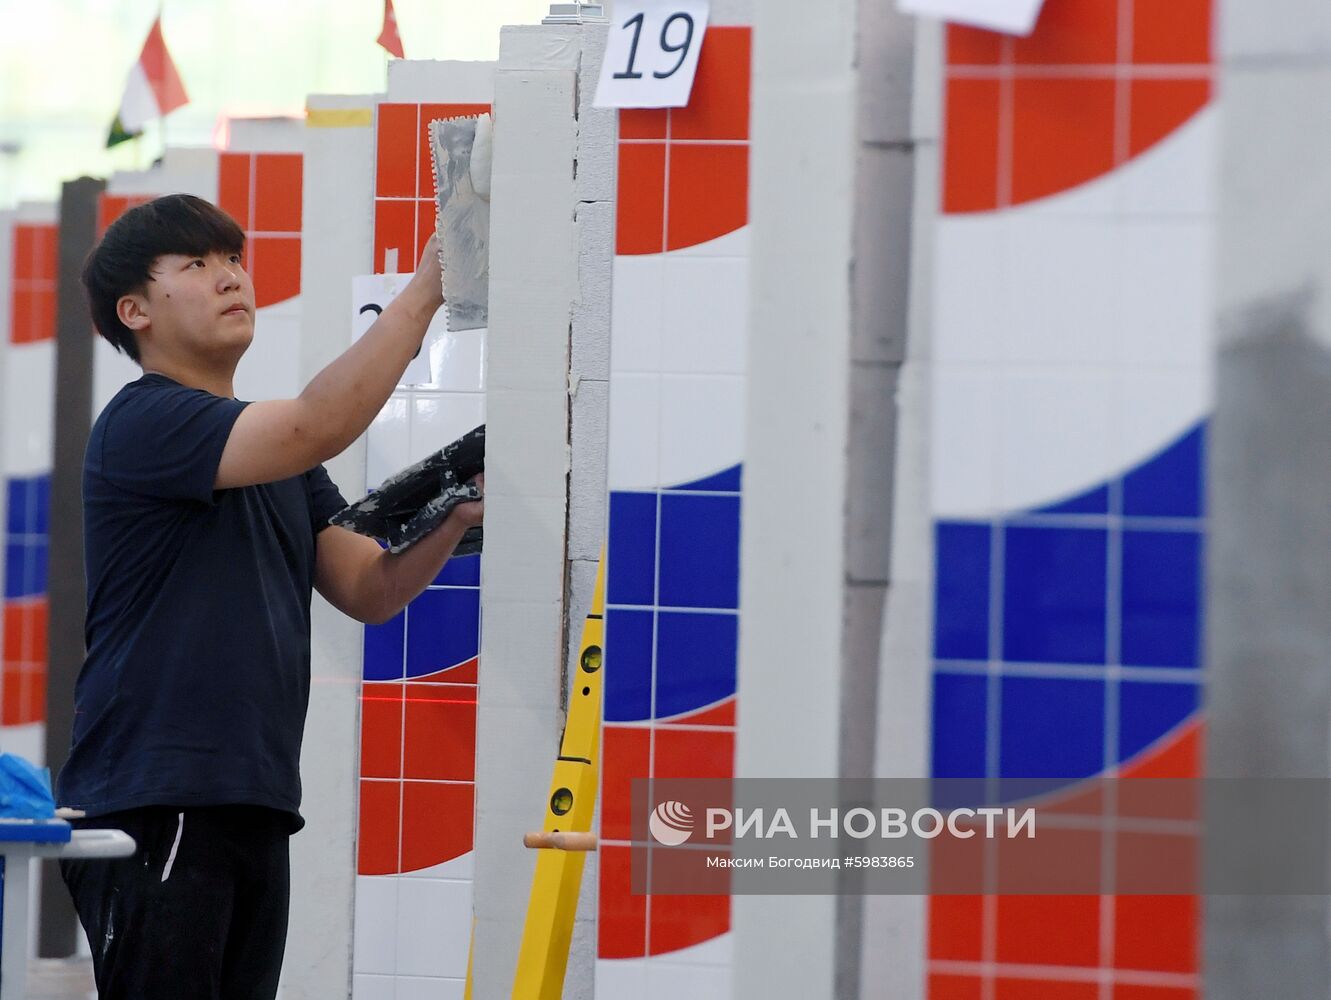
[388, 36]
[153, 89]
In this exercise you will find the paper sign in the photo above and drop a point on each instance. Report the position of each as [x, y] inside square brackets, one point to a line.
[369, 294]
[1016, 17]
[652, 54]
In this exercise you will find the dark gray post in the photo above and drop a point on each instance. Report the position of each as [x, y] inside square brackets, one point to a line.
[73, 419]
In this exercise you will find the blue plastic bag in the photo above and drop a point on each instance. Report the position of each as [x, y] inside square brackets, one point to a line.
[25, 790]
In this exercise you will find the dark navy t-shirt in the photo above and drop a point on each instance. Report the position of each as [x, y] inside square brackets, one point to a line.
[197, 676]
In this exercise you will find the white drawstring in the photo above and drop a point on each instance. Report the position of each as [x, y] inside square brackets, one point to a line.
[171, 859]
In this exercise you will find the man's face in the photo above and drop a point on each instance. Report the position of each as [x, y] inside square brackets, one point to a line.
[196, 309]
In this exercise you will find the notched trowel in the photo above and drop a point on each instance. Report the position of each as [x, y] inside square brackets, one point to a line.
[461, 151]
[411, 504]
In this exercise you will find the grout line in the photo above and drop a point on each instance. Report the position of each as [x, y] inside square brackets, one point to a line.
[1186, 72]
[1065, 973]
[1072, 671]
[1006, 114]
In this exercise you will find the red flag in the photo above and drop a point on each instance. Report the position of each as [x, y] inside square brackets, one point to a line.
[152, 90]
[388, 36]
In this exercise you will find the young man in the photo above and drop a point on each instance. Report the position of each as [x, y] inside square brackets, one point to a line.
[205, 528]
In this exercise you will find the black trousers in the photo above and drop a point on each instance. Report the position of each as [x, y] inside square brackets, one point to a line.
[199, 912]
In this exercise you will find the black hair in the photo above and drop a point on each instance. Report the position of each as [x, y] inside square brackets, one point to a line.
[120, 264]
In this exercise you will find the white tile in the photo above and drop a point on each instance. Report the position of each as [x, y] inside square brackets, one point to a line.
[27, 437]
[1094, 198]
[457, 361]
[964, 427]
[1060, 292]
[111, 371]
[462, 868]
[374, 987]
[1178, 175]
[434, 927]
[1056, 435]
[270, 368]
[735, 243]
[969, 274]
[439, 418]
[621, 979]
[706, 315]
[387, 442]
[430, 988]
[1154, 408]
[636, 320]
[669, 981]
[1164, 276]
[702, 426]
[375, 948]
[635, 414]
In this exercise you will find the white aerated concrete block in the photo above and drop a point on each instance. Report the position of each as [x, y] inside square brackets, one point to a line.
[595, 234]
[587, 478]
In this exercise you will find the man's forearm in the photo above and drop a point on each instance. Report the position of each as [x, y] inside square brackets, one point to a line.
[397, 579]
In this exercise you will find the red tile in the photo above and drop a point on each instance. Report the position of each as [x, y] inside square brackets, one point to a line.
[954, 987]
[22, 311]
[274, 264]
[277, 193]
[233, 187]
[381, 731]
[437, 823]
[14, 616]
[956, 865]
[640, 225]
[1072, 33]
[624, 757]
[621, 917]
[1123, 991]
[395, 151]
[642, 123]
[1062, 134]
[461, 673]
[440, 735]
[693, 753]
[1180, 757]
[46, 252]
[970, 146]
[425, 167]
[34, 625]
[426, 211]
[955, 927]
[708, 192]
[1049, 930]
[1156, 933]
[1172, 32]
[11, 695]
[109, 208]
[37, 695]
[719, 105]
[43, 315]
[394, 228]
[25, 243]
[682, 921]
[968, 46]
[1044, 989]
[1158, 107]
[377, 845]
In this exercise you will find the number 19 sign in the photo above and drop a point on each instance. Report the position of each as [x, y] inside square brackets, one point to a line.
[652, 53]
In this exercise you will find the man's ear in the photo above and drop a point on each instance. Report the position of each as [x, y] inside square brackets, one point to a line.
[132, 311]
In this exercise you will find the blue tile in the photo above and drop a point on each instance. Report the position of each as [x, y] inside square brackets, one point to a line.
[961, 591]
[726, 481]
[1054, 595]
[36, 566]
[443, 630]
[16, 506]
[1147, 711]
[631, 566]
[15, 557]
[462, 571]
[1052, 727]
[383, 649]
[699, 552]
[1170, 483]
[960, 711]
[1093, 501]
[695, 661]
[39, 515]
[1162, 579]
[628, 665]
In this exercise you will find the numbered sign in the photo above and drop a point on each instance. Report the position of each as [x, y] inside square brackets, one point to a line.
[369, 294]
[652, 54]
[1016, 17]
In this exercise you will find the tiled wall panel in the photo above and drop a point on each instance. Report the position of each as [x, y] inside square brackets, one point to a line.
[1071, 386]
[418, 696]
[675, 468]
